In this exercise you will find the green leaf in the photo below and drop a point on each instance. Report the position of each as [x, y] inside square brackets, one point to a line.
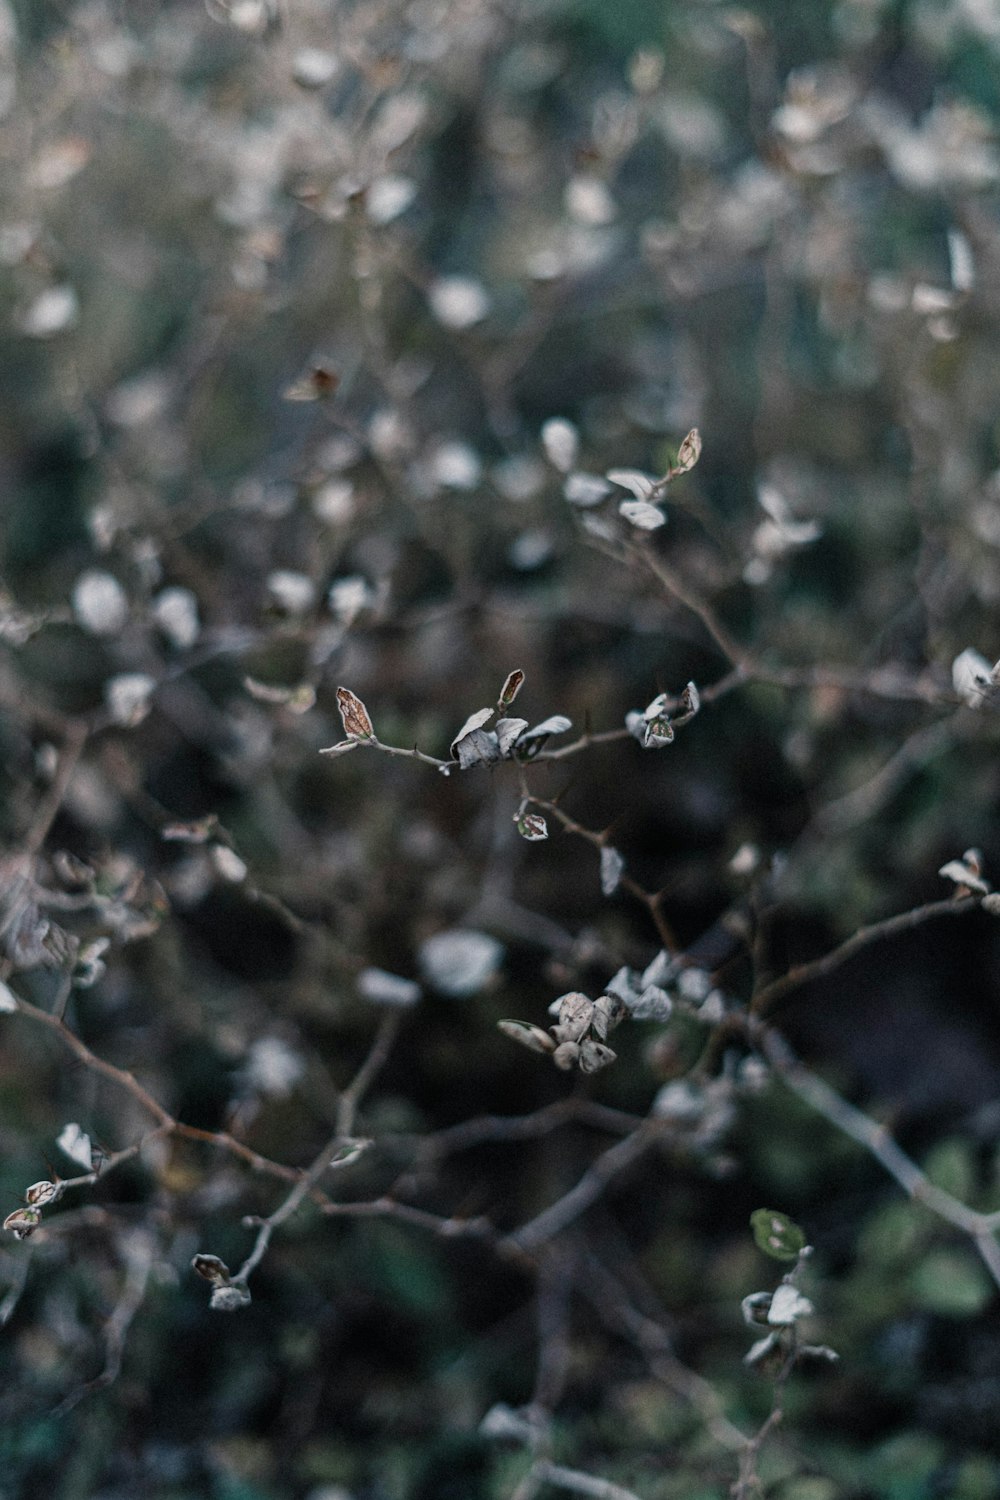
[776, 1234]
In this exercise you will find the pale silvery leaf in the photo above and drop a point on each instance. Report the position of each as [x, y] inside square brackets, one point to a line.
[609, 1012]
[461, 961]
[561, 442]
[55, 309]
[622, 986]
[660, 971]
[694, 984]
[291, 592]
[557, 724]
[585, 489]
[76, 1145]
[787, 1306]
[229, 1298]
[642, 485]
[272, 1068]
[963, 269]
[382, 988]
[347, 597]
[971, 675]
[8, 1000]
[641, 514]
[504, 1422]
[175, 611]
[653, 1004]
[228, 864]
[455, 466]
[598, 527]
[508, 732]
[760, 1349]
[964, 873]
[388, 197]
[459, 302]
[478, 748]
[128, 697]
[99, 603]
[313, 68]
[612, 869]
[474, 721]
[679, 1101]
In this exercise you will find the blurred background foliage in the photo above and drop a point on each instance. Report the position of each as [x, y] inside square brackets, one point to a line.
[471, 217]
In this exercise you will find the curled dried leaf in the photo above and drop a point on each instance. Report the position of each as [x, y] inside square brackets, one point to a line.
[532, 1037]
[594, 1056]
[354, 715]
[23, 1222]
[566, 1055]
[229, 1297]
[609, 1012]
[41, 1193]
[531, 826]
[511, 688]
[212, 1269]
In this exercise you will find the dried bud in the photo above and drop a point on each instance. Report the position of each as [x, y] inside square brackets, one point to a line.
[689, 452]
[354, 715]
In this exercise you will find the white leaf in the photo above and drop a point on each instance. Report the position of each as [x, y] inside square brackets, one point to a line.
[77, 1146]
[8, 1000]
[557, 724]
[585, 489]
[479, 748]
[561, 442]
[459, 302]
[612, 869]
[474, 721]
[787, 1306]
[508, 732]
[99, 602]
[971, 675]
[641, 514]
[653, 1004]
[963, 874]
[383, 988]
[461, 961]
[642, 485]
